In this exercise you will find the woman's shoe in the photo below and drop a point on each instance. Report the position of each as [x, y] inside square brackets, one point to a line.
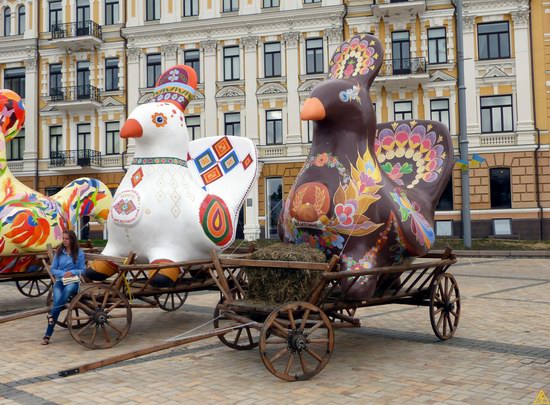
[46, 340]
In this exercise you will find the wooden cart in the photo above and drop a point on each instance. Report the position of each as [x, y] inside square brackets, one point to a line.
[296, 339]
[100, 315]
[29, 283]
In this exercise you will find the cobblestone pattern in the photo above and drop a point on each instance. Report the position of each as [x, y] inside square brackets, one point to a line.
[500, 354]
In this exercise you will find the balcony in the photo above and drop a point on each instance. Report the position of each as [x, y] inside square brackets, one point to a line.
[398, 9]
[77, 36]
[403, 72]
[75, 97]
[75, 159]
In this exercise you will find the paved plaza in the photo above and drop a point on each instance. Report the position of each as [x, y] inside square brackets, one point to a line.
[500, 354]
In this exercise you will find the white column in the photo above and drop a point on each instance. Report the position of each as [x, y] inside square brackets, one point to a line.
[170, 52]
[294, 138]
[334, 39]
[250, 43]
[523, 72]
[31, 108]
[470, 76]
[132, 91]
[209, 49]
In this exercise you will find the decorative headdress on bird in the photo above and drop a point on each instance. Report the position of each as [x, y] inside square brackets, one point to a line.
[12, 113]
[176, 85]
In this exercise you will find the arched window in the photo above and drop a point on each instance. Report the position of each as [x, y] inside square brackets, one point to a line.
[7, 21]
[501, 189]
[21, 21]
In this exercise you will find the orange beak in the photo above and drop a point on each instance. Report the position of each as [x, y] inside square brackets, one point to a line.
[131, 129]
[313, 110]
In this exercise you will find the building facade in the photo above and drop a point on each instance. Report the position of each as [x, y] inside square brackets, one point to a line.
[83, 65]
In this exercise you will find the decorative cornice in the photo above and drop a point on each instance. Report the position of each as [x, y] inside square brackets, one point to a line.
[133, 54]
[209, 47]
[250, 43]
[170, 50]
[291, 39]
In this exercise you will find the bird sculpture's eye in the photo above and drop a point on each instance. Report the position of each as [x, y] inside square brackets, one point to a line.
[159, 119]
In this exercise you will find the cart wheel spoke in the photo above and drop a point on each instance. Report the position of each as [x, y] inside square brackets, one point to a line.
[106, 334]
[303, 363]
[291, 319]
[289, 363]
[250, 338]
[279, 354]
[313, 354]
[438, 311]
[26, 284]
[105, 299]
[453, 313]
[451, 328]
[304, 319]
[315, 327]
[314, 341]
[276, 341]
[115, 328]
[94, 334]
[441, 316]
[113, 306]
[234, 338]
[238, 336]
[83, 329]
[94, 301]
[280, 328]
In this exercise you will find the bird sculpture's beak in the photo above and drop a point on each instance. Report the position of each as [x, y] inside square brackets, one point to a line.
[313, 110]
[131, 129]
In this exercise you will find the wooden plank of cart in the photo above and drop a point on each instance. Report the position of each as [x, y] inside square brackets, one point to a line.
[296, 339]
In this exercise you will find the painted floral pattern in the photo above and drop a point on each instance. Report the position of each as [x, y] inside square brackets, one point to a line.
[353, 58]
[413, 149]
[420, 227]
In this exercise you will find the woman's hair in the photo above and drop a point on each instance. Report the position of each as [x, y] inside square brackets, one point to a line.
[73, 245]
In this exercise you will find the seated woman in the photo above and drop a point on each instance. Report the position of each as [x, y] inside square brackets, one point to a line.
[68, 261]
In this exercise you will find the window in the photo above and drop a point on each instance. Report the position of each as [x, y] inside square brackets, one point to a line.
[14, 79]
[7, 22]
[311, 1]
[496, 114]
[230, 5]
[83, 80]
[440, 111]
[190, 8]
[502, 226]
[21, 20]
[271, 3]
[493, 40]
[232, 124]
[16, 147]
[84, 137]
[56, 145]
[112, 144]
[402, 110]
[309, 131]
[444, 228]
[274, 198]
[153, 69]
[192, 58]
[231, 63]
[193, 123]
[272, 59]
[401, 52]
[274, 127]
[501, 191]
[437, 45]
[111, 74]
[53, 190]
[112, 13]
[314, 56]
[446, 200]
[55, 15]
[56, 78]
[152, 10]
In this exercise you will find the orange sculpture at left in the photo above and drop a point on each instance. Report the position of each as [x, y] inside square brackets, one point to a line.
[30, 220]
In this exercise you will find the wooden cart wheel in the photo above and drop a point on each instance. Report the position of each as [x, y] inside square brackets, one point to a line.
[444, 306]
[171, 301]
[239, 339]
[62, 319]
[33, 288]
[99, 317]
[296, 341]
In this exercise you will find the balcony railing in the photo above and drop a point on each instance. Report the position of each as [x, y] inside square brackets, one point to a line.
[75, 93]
[79, 157]
[76, 29]
[403, 66]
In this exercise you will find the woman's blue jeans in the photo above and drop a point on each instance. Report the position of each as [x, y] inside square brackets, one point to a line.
[61, 295]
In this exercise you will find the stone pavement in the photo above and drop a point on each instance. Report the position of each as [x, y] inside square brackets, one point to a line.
[500, 354]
